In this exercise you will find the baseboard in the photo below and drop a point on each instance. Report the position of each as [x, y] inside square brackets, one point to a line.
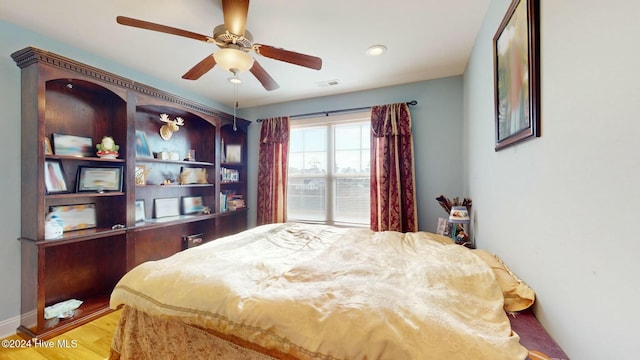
[8, 327]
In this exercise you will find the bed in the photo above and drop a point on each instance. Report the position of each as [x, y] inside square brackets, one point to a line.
[296, 291]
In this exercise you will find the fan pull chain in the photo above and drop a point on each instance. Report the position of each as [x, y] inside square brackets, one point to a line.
[235, 105]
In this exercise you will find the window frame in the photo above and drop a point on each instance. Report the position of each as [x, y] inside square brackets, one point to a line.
[329, 121]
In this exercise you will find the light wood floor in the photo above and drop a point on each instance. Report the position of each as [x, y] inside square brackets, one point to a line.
[88, 342]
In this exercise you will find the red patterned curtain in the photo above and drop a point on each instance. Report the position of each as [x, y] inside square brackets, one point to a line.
[393, 196]
[272, 170]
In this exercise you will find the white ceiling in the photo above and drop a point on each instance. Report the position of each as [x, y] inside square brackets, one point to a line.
[426, 39]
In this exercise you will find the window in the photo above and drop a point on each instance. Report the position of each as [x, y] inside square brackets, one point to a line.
[329, 170]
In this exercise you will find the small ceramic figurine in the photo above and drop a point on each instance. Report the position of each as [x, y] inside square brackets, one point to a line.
[107, 148]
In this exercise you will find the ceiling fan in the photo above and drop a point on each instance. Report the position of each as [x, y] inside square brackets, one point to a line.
[235, 42]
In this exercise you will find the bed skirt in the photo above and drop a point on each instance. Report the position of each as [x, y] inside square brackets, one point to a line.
[141, 336]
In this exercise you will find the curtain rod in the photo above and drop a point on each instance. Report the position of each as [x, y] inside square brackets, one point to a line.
[327, 113]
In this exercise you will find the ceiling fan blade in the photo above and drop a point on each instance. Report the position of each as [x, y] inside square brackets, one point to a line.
[200, 68]
[235, 15]
[265, 79]
[123, 20]
[291, 57]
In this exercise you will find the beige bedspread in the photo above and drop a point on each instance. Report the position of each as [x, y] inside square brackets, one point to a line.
[320, 292]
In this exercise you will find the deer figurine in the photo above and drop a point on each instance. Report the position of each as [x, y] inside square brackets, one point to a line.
[170, 127]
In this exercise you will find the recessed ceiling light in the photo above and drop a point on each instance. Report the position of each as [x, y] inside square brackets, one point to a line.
[376, 50]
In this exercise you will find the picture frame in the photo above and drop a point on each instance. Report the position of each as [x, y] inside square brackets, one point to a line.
[516, 53]
[71, 145]
[142, 145]
[141, 173]
[233, 153]
[54, 177]
[99, 178]
[166, 207]
[76, 217]
[193, 175]
[192, 205]
[140, 214]
[442, 226]
[48, 150]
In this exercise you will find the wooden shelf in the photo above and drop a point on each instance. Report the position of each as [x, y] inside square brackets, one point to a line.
[84, 194]
[77, 236]
[63, 96]
[153, 186]
[181, 162]
[172, 220]
[84, 158]
[90, 309]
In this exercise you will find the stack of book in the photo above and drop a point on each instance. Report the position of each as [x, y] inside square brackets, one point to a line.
[228, 175]
[235, 202]
[231, 202]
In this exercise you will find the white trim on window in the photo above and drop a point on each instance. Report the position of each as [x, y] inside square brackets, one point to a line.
[328, 122]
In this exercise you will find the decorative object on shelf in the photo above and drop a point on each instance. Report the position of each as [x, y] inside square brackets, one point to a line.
[447, 204]
[99, 179]
[142, 146]
[458, 220]
[189, 241]
[168, 155]
[76, 217]
[166, 207]
[54, 178]
[62, 310]
[107, 148]
[191, 155]
[229, 175]
[47, 147]
[459, 217]
[223, 155]
[233, 153]
[170, 127]
[71, 145]
[192, 205]
[517, 74]
[141, 174]
[140, 216]
[443, 226]
[193, 176]
[53, 226]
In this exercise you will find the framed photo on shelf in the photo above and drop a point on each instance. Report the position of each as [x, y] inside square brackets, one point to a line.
[54, 178]
[71, 145]
[99, 179]
[192, 204]
[141, 174]
[76, 217]
[517, 75]
[142, 145]
[193, 176]
[48, 150]
[140, 216]
[166, 207]
[443, 223]
[233, 153]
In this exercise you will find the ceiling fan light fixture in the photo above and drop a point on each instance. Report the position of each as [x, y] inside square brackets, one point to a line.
[376, 50]
[235, 80]
[230, 58]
